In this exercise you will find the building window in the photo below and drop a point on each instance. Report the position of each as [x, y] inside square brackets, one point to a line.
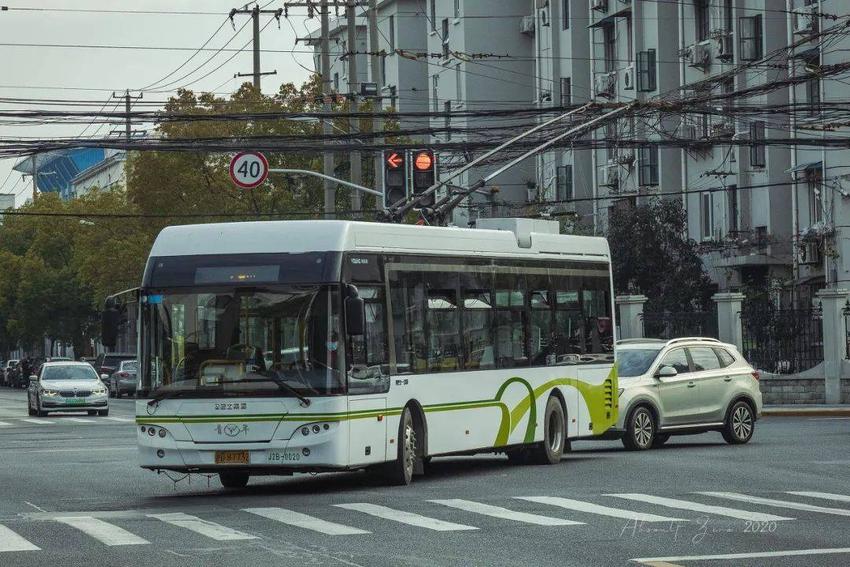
[565, 14]
[447, 108]
[457, 9]
[391, 35]
[732, 208]
[445, 38]
[646, 78]
[435, 92]
[757, 145]
[393, 96]
[566, 91]
[609, 41]
[812, 67]
[564, 180]
[750, 42]
[433, 15]
[383, 68]
[702, 20]
[706, 215]
[648, 165]
[458, 84]
[814, 181]
[728, 17]
[336, 82]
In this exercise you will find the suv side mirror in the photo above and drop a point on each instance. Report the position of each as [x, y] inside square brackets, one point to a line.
[666, 372]
[355, 313]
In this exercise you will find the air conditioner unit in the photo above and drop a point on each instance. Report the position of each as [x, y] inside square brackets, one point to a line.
[526, 25]
[604, 84]
[610, 176]
[805, 20]
[723, 47]
[811, 254]
[629, 78]
[700, 55]
[600, 5]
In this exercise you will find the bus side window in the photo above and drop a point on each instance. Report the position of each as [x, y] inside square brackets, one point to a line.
[511, 341]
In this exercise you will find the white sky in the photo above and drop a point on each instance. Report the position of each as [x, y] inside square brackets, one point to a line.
[106, 70]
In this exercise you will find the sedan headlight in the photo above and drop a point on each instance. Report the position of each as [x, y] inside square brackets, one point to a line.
[101, 391]
[49, 393]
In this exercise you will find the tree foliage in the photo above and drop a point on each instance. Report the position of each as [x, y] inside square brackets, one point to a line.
[652, 255]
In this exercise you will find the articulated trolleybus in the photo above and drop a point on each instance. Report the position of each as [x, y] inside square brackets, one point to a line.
[310, 346]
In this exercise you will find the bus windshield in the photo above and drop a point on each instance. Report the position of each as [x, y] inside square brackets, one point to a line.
[216, 342]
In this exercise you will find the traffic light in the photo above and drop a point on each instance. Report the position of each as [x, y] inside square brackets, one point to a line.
[424, 174]
[395, 176]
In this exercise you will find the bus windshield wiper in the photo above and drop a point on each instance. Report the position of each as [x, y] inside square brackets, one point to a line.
[166, 396]
[302, 399]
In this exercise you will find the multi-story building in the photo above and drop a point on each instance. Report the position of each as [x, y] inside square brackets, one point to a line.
[73, 172]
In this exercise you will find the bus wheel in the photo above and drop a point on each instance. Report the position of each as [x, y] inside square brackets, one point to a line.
[233, 479]
[400, 471]
[554, 434]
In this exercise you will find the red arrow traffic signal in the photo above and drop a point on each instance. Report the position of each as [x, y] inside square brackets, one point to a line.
[395, 160]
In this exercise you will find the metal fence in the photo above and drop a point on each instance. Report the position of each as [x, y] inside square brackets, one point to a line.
[674, 324]
[782, 341]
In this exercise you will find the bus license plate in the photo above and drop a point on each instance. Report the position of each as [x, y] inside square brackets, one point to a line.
[284, 456]
[231, 457]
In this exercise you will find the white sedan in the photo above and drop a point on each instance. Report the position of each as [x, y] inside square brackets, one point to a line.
[67, 386]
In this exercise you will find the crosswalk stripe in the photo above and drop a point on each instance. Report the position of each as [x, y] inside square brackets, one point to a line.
[203, 527]
[37, 421]
[504, 513]
[10, 541]
[104, 532]
[778, 503]
[704, 508]
[824, 496]
[408, 518]
[79, 420]
[299, 520]
[121, 419]
[590, 508]
[4, 424]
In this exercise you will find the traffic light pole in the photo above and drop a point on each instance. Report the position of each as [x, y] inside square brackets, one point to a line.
[329, 178]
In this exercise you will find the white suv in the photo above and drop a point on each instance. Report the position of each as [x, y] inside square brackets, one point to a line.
[681, 387]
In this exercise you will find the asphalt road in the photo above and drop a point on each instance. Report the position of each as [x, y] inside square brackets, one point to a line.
[71, 494]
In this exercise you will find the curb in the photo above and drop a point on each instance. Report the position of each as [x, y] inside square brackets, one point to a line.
[806, 412]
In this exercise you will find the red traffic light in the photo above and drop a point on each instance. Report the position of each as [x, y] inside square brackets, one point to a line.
[424, 161]
[395, 160]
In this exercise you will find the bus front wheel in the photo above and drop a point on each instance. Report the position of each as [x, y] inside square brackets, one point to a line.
[233, 479]
[400, 471]
[554, 435]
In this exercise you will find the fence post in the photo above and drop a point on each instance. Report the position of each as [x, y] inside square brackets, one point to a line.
[729, 318]
[631, 316]
[834, 340]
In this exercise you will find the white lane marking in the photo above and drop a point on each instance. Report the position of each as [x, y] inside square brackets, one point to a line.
[39, 508]
[408, 518]
[10, 541]
[121, 419]
[4, 424]
[778, 503]
[504, 513]
[580, 506]
[824, 496]
[203, 527]
[704, 508]
[37, 421]
[78, 420]
[728, 556]
[299, 520]
[104, 532]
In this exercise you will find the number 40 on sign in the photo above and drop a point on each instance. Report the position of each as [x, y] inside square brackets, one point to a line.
[249, 169]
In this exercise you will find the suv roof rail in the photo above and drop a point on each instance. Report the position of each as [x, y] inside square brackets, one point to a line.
[639, 341]
[693, 339]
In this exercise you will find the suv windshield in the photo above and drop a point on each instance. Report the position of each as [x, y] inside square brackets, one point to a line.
[242, 342]
[68, 373]
[635, 361]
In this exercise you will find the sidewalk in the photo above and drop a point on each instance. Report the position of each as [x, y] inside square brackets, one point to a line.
[809, 410]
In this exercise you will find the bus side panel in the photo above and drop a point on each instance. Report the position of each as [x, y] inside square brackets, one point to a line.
[367, 435]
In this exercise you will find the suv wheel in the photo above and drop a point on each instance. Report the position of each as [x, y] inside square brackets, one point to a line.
[640, 430]
[740, 424]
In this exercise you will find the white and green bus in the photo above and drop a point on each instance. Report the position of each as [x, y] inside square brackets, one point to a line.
[269, 348]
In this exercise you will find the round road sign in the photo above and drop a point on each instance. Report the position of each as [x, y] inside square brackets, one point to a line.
[249, 169]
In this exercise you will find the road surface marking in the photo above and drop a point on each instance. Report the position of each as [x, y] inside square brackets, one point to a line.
[4, 424]
[697, 507]
[104, 532]
[78, 420]
[37, 421]
[824, 496]
[10, 541]
[504, 513]
[580, 506]
[408, 518]
[778, 503]
[760, 554]
[121, 419]
[299, 520]
[39, 508]
[203, 527]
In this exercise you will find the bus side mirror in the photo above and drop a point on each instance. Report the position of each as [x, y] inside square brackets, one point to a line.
[109, 321]
[355, 313]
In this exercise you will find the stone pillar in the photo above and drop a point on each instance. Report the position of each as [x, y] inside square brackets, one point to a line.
[631, 316]
[834, 340]
[729, 318]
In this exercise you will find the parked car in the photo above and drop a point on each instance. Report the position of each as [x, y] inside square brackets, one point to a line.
[107, 363]
[124, 380]
[20, 374]
[67, 386]
[681, 387]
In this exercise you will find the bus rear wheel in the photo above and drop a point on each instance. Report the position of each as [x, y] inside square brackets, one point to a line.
[233, 479]
[554, 435]
[400, 471]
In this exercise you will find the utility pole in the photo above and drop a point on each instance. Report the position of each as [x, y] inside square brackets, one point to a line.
[330, 189]
[128, 124]
[353, 87]
[255, 15]
[378, 79]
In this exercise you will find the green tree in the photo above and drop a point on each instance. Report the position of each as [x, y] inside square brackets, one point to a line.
[652, 255]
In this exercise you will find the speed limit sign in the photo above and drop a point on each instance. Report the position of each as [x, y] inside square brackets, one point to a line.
[249, 169]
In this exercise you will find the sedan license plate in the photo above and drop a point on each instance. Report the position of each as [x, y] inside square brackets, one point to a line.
[75, 401]
[231, 457]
